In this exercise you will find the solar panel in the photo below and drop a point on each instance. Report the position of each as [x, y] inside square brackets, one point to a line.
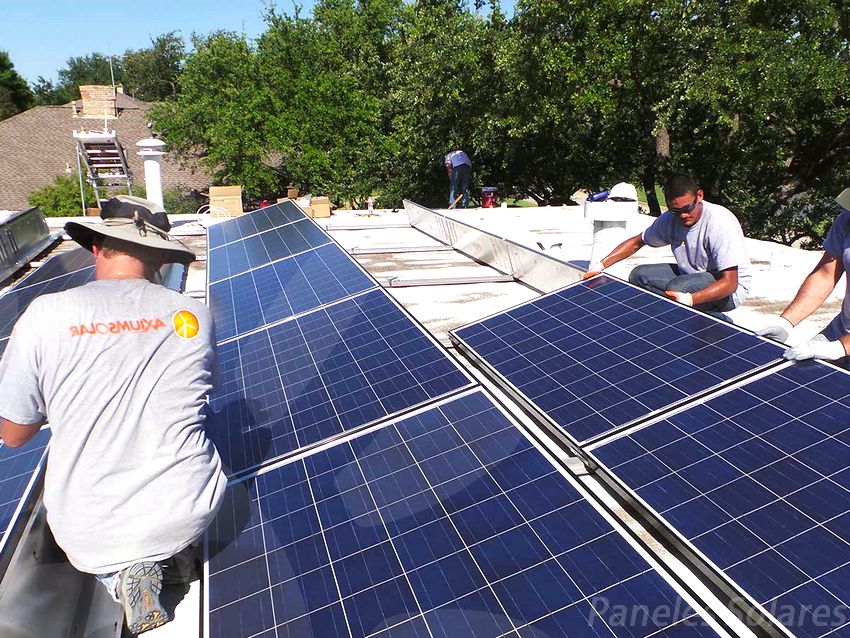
[757, 480]
[17, 477]
[600, 354]
[252, 223]
[329, 371]
[258, 250]
[447, 523]
[56, 266]
[14, 302]
[283, 289]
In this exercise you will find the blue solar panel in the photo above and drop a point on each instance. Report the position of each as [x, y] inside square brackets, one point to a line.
[758, 481]
[14, 302]
[258, 250]
[58, 265]
[334, 369]
[253, 223]
[17, 474]
[602, 353]
[447, 523]
[283, 289]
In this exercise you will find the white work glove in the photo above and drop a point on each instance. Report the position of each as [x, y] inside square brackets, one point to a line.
[594, 269]
[817, 348]
[682, 297]
[780, 330]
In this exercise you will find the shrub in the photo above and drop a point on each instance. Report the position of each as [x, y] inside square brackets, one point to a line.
[179, 200]
[62, 197]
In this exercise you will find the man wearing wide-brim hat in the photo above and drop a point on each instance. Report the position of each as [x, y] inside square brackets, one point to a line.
[120, 367]
[833, 342]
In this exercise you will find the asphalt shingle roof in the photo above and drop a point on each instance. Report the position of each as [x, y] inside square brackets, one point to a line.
[37, 145]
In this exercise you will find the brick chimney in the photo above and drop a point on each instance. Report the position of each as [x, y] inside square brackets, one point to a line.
[99, 101]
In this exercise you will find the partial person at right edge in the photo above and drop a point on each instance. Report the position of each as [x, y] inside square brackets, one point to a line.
[712, 269]
[833, 342]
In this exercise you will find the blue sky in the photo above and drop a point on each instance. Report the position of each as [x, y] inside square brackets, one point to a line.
[40, 35]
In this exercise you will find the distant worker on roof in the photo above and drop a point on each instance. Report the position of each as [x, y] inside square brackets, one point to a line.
[712, 269]
[833, 342]
[459, 168]
[121, 368]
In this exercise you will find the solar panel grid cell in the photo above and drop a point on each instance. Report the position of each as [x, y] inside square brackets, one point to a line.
[56, 266]
[598, 355]
[284, 288]
[446, 523]
[328, 371]
[14, 302]
[758, 480]
[257, 221]
[16, 472]
[260, 249]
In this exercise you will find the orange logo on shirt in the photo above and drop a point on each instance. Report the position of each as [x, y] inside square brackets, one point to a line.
[116, 327]
[186, 324]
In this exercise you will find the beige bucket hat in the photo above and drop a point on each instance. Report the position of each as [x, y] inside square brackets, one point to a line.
[135, 220]
[843, 199]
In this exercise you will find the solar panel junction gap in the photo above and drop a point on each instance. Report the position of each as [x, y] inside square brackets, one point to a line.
[447, 522]
[602, 354]
[756, 483]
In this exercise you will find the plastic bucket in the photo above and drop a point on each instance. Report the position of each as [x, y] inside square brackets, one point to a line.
[489, 197]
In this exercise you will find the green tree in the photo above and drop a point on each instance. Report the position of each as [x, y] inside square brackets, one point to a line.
[45, 92]
[152, 74]
[15, 95]
[327, 75]
[439, 89]
[62, 197]
[220, 114]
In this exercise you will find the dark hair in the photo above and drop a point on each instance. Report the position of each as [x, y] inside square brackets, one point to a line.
[678, 185]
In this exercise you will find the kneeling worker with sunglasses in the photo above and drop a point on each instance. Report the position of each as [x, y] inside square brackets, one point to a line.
[712, 269]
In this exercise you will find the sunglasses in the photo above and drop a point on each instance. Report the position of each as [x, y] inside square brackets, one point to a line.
[684, 209]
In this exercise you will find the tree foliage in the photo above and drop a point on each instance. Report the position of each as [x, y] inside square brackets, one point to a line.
[366, 96]
[62, 197]
[148, 74]
[152, 74]
[15, 95]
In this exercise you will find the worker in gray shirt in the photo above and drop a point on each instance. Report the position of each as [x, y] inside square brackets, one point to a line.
[459, 169]
[833, 342]
[712, 269]
[121, 367]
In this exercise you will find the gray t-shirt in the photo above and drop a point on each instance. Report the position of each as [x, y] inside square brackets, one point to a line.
[121, 369]
[837, 244]
[714, 243]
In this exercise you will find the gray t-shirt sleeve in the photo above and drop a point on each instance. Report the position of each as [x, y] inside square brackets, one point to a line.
[660, 233]
[837, 235]
[20, 393]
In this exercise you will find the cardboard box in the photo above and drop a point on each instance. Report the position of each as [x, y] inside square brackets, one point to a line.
[225, 198]
[93, 212]
[320, 207]
[292, 193]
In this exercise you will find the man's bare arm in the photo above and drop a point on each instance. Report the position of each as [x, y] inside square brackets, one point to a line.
[623, 251]
[815, 289]
[16, 434]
